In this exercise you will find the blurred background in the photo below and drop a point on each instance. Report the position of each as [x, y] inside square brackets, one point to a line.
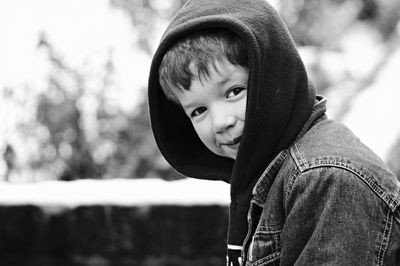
[73, 78]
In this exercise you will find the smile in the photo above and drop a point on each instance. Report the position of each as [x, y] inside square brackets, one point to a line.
[233, 142]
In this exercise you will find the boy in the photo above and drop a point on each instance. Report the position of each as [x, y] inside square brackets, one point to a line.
[230, 100]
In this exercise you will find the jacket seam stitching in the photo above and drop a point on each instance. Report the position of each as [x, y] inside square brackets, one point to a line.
[290, 184]
[266, 173]
[397, 219]
[268, 259]
[367, 179]
[298, 158]
[386, 237]
[396, 208]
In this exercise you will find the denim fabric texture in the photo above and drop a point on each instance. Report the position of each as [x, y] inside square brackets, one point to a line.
[326, 200]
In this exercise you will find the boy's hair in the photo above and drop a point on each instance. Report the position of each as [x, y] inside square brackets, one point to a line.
[200, 48]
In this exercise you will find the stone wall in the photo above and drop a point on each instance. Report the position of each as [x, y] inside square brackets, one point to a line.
[113, 235]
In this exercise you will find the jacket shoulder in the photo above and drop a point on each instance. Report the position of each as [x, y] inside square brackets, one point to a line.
[332, 145]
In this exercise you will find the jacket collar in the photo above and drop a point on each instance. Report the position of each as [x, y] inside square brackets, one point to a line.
[264, 183]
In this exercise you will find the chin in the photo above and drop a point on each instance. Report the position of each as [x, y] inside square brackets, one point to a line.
[232, 156]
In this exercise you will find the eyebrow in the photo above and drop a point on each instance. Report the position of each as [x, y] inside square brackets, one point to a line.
[224, 81]
[219, 83]
[190, 105]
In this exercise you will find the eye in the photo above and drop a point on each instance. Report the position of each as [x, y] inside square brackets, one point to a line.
[234, 91]
[198, 111]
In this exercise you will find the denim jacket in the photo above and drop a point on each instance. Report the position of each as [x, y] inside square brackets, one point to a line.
[326, 200]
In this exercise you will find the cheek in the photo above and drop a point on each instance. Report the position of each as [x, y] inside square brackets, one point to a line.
[241, 110]
[201, 130]
[204, 132]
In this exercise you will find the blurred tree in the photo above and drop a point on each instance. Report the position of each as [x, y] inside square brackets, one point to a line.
[9, 158]
[120, 145]
[58, 113]
[146, 16]
[136, 154]
[314, 22]
[326, 27]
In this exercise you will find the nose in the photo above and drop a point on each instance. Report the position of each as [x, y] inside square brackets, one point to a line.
[222, 121]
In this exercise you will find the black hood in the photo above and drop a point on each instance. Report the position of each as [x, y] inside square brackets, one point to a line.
[279, 100]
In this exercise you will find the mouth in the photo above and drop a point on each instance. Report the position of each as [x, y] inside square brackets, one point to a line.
[233, 142]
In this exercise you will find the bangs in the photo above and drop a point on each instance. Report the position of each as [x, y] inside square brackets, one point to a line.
[198, 52]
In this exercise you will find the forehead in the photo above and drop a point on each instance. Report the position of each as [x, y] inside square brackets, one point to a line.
[218, 71]
[205, 87]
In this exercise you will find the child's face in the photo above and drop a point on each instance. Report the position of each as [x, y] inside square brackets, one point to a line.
[216, 105]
